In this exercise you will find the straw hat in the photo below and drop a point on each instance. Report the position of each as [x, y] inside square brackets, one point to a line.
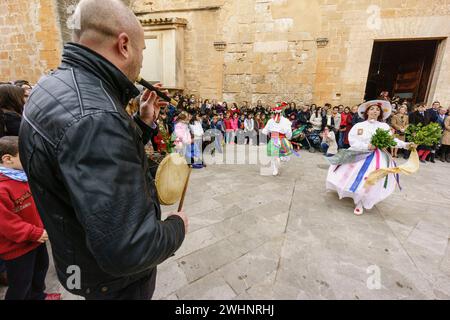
[171, 178]
[383, 104]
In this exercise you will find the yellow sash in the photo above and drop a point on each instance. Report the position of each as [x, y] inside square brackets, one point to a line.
[410, 167]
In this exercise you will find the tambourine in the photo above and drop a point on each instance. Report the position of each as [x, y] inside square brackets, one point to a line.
[172, 177]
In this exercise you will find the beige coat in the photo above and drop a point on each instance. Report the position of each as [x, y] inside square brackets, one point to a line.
[446, 137]
[331, 142]
[399, 122]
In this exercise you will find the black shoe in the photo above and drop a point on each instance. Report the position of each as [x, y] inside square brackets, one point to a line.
[423, 161]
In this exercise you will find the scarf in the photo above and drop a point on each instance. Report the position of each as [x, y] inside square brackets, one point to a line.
[17, 175]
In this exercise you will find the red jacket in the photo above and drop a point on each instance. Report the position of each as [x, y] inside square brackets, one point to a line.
[228, 124]
[233, 111]
[20, 223]
[345, 119]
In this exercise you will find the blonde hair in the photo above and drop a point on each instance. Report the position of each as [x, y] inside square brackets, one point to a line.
[183, 116]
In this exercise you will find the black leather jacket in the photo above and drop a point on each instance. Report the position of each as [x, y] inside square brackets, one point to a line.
[84, 156]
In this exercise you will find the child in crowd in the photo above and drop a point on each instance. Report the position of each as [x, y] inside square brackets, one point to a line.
[197, 132]
[22, 234]
[182, 136]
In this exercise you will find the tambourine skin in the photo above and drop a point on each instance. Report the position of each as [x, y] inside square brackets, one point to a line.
[171, 178]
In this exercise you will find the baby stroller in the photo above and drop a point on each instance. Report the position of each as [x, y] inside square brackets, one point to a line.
[302, 138]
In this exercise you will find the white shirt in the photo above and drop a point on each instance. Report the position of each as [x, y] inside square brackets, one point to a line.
[197, 129]
[249, 125]
[316, 121]
[284, 127]
[361, 134]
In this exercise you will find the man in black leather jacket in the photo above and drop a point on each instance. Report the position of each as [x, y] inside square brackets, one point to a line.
[86, 164]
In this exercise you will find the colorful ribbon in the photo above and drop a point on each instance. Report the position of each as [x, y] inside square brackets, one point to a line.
[362, 172]
[278, 144]
[412, 166]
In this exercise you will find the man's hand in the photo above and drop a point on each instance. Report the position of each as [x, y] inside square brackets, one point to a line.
[151, 104]
[371, 147]
[43, 238]
[183, 216]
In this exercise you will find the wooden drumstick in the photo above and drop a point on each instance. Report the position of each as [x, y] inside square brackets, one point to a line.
[180, 206]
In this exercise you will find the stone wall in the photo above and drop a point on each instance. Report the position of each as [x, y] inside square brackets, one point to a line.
[353, 26]
[271, 51]
[30, 41]
[269, 56]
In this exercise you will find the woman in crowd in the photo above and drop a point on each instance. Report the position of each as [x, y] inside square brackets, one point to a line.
[350, 168]
[316, 119]
[304, 115]
[445, 144]
[337, 119]
[259, 125]
[329, 145]
[264, 119]
[205, 106]
[12, 100]
[234, 110]
[249, 129]
[328, 120]
[399, 123]
[346, 126]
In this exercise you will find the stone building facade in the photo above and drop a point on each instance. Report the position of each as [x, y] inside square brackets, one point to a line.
[30, 42]
[303, 50]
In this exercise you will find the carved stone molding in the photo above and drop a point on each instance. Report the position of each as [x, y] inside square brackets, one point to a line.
[220, 45]
[163, 22]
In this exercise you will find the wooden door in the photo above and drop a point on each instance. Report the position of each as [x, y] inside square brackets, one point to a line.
[408, 79]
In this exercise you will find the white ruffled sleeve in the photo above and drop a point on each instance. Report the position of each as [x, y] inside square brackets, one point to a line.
[267, 127]
[289, 132]
[357, 141]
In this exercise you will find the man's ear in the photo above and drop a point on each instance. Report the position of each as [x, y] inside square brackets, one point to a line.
[124, 45]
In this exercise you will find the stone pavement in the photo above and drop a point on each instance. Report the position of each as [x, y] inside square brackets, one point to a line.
[263, 237]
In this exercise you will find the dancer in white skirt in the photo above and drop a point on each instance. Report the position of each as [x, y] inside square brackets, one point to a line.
[279, 148]
[350, 168]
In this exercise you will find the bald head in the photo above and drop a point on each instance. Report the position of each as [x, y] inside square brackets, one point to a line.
[110, 28]
[103, 19]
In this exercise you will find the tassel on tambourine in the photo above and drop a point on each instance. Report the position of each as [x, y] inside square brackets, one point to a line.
[172, 178]
[160, 94]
